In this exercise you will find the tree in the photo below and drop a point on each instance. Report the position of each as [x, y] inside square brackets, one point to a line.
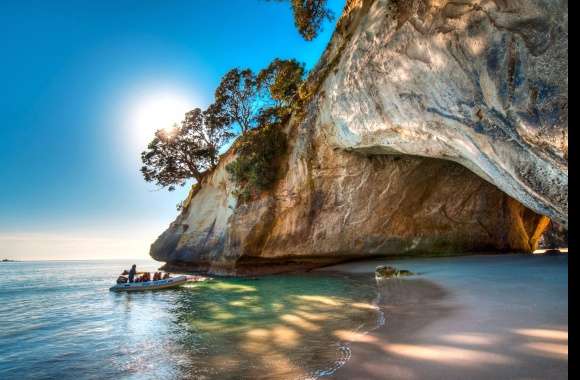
[244, 99]
[242, 95]
[257, 164]
[281, 79]
[309, 16]
[236, 98]
[211, 128]
[182, 152]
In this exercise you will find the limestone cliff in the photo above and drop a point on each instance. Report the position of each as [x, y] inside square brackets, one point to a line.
[482, 83]
[419, 111]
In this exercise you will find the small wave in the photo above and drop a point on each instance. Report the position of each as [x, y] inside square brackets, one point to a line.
[344, 353]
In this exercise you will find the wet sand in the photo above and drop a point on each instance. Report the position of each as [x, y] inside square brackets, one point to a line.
[478, 317]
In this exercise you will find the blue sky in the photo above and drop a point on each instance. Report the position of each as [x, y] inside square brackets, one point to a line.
[82, 84]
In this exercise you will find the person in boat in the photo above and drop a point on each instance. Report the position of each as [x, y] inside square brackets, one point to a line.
[121, 280]
[166, 276]
[132, 272]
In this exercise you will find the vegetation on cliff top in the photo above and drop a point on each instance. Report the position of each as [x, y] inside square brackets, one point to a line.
[244, 101]
[256, 167]
[186, 151]
[309, 15]
[257, 106]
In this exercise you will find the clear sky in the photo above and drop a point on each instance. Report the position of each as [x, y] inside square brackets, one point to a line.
[83, 85]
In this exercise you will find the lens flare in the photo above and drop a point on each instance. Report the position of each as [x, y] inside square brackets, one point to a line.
[162, 111]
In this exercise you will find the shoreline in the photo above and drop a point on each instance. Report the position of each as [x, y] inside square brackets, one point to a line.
[476, 317]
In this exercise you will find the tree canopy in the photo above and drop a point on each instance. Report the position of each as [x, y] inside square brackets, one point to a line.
[185, 151]
[236, 98]
[242, 96]
[309, 16]
[282, 78]
[242, 99]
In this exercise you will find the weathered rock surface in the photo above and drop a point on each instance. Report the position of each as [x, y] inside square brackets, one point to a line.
[404, 89]
[332, 205]
[555, 236]
[483, 83]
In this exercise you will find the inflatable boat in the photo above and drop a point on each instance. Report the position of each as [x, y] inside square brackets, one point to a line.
[172, 282]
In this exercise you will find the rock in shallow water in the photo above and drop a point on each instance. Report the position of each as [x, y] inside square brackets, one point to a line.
[385, 271]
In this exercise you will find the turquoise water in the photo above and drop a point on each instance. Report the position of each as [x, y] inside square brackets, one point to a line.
[58, 320]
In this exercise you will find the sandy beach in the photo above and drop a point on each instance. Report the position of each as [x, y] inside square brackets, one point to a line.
[478, 317]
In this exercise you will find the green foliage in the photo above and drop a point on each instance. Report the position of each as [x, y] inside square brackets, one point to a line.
[258, 150]
[309, 16]
[258, 104]
[241, 95]
[184, 151]
[256, 168]
[236, 99]
[282, 78]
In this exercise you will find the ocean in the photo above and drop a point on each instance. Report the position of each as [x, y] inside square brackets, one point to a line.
[58, 320]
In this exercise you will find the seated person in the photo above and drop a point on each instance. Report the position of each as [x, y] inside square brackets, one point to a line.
[122, 280]
[166, 276]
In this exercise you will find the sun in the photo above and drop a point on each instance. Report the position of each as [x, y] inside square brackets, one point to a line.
[159, 111]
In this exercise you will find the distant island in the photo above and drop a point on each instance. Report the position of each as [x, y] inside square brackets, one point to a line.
[8, 261]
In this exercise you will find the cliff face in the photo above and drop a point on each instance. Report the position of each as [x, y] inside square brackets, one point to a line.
[482, 83]
[555, 236]
[332, 205]
[418, 109]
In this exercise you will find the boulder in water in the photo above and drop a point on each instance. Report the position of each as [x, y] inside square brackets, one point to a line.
[385, 271]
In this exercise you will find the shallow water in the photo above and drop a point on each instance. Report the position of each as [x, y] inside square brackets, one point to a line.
[58, 320]
[477, 317]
